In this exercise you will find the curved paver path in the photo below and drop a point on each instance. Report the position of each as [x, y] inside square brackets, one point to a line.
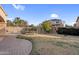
[12, 46]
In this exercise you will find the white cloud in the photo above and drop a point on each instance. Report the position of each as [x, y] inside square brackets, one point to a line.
[18, 7]
[9, 18]
[71, 23]
[55, 15]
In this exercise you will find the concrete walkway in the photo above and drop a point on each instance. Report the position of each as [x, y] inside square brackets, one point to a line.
[12, 46]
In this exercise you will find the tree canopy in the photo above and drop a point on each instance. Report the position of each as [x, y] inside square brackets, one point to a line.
[47, 26]
[33, 27]
[10, 23]
[19, 22]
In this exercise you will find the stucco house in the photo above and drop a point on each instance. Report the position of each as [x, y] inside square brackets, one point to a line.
[56, 23]
[3, 20]
[76, 25]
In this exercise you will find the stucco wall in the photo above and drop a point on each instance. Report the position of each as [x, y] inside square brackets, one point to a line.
[2, 25]
[2, 21]
[2, 14]
[13, 29]
[77, 24]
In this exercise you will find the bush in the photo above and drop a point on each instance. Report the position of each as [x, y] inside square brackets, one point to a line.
[68, 31]
[47, 26]
[23, 31]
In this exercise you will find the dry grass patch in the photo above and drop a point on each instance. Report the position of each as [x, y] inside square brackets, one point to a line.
[43, 36]
[43, 44]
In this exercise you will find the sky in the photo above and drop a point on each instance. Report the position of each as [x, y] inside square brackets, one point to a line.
[37, 13]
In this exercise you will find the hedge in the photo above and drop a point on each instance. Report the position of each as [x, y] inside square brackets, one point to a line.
[68, 31]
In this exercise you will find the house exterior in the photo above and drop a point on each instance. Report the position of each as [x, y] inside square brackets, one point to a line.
[56, 23]
[3, 21]
[76, 25]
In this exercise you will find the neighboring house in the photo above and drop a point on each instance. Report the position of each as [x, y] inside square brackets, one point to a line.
[56, 23]
[76, 25]
[2, 20]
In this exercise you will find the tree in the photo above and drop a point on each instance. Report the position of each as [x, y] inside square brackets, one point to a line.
[47, 26]
[68, 26]
[10, 23]
[33, 27]
[23, 23]
[19, 22]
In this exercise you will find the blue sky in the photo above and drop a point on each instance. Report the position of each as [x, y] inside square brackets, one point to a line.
[36, 13]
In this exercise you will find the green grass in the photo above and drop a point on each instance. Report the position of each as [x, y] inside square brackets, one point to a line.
[53, 46]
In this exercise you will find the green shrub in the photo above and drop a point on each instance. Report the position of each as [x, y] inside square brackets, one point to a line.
[68, 31]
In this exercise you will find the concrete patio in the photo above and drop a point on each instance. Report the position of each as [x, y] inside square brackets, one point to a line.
[9, 45]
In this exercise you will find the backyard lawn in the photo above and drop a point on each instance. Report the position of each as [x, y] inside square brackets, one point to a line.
[52, 44]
